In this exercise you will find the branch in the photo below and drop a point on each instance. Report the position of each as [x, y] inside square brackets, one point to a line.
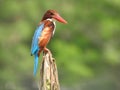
[48, 73]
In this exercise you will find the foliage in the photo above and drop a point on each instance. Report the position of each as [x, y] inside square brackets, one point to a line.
[87, 48]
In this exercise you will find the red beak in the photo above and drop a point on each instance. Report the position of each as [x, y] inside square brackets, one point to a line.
[59, 18]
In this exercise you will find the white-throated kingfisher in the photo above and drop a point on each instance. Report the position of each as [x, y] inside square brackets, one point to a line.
[43, 34]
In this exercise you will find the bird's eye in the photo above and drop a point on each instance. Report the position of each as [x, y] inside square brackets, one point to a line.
[51, 13]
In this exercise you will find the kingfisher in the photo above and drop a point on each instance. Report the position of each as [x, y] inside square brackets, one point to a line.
[43, 34]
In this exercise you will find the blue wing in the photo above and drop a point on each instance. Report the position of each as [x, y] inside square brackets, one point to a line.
[35, 48]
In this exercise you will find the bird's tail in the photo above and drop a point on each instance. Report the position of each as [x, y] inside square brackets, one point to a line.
[35, 64]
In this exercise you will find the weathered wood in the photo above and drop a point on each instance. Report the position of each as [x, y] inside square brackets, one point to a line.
[48, 73]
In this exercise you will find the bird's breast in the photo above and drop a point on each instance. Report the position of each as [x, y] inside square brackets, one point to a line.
[48, 28]
[47, 33]
[45, 37]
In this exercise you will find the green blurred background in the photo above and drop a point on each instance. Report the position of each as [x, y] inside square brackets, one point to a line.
[86, 49]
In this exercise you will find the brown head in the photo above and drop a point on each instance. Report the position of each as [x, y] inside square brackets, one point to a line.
[52, 14]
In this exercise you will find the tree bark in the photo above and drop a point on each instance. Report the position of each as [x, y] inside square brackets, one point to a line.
[48, 73]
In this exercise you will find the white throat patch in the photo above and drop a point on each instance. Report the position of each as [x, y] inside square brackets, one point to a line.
[52, 20]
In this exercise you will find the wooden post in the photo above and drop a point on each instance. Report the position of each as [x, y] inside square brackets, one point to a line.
[48, 73]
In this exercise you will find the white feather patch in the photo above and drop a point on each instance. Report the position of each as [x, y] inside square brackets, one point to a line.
[52, 20]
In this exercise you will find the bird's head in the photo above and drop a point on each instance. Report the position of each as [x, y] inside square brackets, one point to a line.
[52, 14]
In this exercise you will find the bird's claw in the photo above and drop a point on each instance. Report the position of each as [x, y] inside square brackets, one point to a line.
[46, 50]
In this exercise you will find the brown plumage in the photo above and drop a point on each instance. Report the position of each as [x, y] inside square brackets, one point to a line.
[49, 26]
[43, 34]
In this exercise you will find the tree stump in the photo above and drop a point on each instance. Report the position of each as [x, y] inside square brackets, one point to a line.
[48, 73]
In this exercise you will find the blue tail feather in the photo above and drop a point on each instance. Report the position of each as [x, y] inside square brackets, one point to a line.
[35, 64]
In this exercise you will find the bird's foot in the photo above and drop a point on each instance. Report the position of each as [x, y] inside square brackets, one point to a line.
[46, 50]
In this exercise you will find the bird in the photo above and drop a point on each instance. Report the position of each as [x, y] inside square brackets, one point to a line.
[43, 34]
